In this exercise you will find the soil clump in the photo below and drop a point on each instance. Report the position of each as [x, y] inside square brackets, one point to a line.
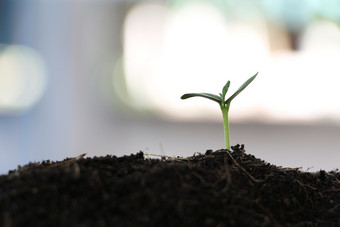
[213, 189]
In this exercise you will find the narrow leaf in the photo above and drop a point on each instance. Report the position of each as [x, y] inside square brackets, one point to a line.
[241, 88]
[225, 90]
[204, 95]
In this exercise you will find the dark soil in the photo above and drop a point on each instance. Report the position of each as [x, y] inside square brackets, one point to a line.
[211, 189]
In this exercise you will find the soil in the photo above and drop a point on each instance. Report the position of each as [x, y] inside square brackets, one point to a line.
[213, 189]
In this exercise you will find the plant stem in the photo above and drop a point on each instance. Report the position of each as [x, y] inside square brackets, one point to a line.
[225, 112]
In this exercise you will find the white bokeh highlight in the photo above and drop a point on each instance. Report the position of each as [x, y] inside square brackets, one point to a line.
[196, 49]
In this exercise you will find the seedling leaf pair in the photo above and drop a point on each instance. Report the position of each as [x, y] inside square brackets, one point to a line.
[224, 104]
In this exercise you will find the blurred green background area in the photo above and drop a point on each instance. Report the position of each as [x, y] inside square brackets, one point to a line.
[105, 77]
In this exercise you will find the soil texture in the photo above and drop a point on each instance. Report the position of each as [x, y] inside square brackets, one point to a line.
[218, 188]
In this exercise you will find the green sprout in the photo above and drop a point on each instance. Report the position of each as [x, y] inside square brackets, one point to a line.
[224, 104]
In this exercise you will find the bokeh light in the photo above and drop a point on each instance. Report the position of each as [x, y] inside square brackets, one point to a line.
[190, 48]
[194, 47]
[22, 78]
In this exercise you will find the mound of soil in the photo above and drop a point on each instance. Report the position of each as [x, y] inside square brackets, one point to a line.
[213, 189]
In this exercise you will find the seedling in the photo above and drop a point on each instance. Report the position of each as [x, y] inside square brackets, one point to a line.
[224, 104]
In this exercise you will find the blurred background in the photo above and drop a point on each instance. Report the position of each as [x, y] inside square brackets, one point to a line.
[105, 77]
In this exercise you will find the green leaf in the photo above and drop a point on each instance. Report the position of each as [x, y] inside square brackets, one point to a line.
[204, 95]
[243, 86]
[225, 90]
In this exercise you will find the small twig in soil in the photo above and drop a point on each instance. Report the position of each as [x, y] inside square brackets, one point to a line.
[166, 157]
[334, 208]
[68, 161]
[305, 185]
[291, 169]
[49, 164]
[245, 171]
[227, 174]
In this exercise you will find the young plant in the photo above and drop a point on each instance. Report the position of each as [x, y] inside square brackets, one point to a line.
[224, 104]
